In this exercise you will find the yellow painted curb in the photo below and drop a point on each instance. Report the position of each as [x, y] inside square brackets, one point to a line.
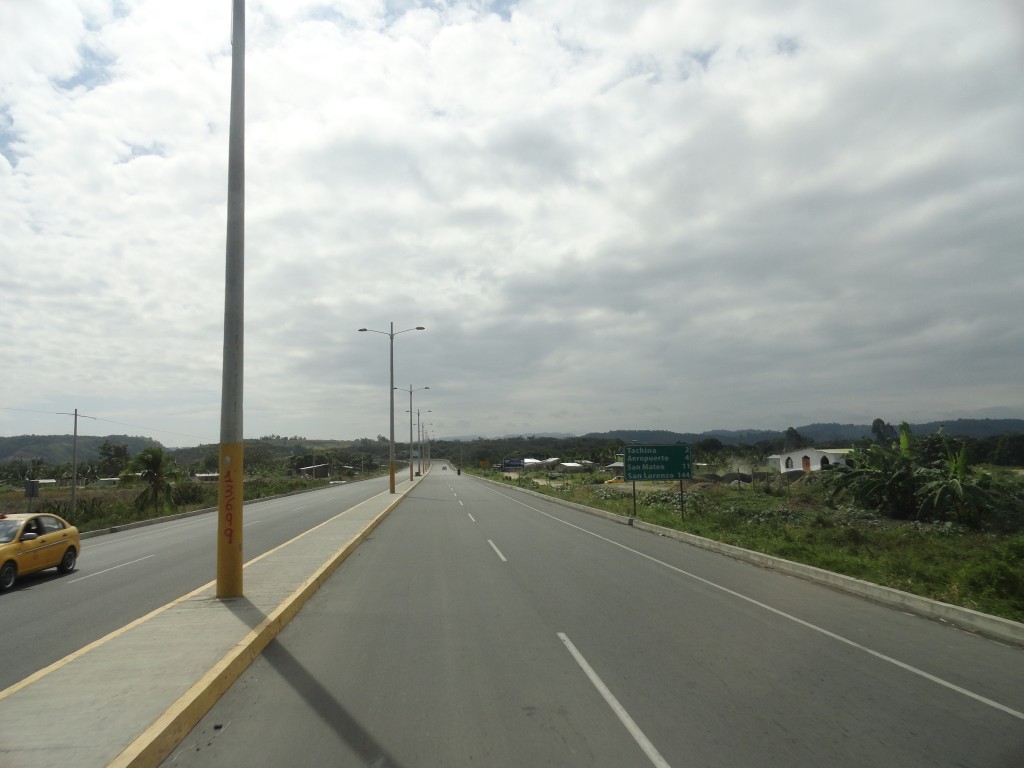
[160, 739]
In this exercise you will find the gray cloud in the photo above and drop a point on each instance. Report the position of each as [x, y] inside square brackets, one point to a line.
[674, 216]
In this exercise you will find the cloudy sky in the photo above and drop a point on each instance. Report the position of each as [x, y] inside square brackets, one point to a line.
[662, 214]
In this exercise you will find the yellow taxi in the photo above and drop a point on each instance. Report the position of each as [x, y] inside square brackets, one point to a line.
[34, 542]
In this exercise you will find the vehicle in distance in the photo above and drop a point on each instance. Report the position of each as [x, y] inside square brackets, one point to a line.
[35, 542]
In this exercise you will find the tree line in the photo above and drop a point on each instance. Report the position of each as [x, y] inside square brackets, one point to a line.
[264, 456]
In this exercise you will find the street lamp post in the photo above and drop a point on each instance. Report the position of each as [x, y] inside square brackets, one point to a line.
[419, 436]
[231, 465]
[410, 390]
[391, 448]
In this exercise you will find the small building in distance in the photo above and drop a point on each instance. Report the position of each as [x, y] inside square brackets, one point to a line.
[808, 459]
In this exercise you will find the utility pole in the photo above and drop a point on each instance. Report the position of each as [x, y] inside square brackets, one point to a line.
[74, 460]
[231, 467]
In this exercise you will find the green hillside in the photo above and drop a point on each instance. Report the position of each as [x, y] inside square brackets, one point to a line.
[58, 449]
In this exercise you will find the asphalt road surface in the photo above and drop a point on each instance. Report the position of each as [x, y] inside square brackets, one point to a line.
[482, 626]
[125, 575]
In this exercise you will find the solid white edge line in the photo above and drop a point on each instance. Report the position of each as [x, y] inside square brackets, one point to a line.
[620, 712]
[108, 570]
[497, 551]
[839, 638]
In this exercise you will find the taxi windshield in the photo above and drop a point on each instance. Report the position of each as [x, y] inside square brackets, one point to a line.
[8, 529]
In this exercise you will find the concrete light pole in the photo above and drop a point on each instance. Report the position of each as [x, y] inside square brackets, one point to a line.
[410, 390]
[419, 436]
[231, 467]
[391, 335]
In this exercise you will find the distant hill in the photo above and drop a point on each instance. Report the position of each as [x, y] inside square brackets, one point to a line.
[654, 436]
[276, 448]
[834, 435]
[971, 427]
[510, 436]
[58, 449]
[976, 428]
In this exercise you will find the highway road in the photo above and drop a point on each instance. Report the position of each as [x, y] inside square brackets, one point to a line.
[483, 626]
[125, 575]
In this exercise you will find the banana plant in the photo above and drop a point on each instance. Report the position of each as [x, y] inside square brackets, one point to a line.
[949, 490]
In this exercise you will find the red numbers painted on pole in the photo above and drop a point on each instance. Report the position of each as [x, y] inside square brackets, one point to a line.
[229, 506]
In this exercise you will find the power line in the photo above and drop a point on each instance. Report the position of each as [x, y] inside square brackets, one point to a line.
[151, 429]
[108, 421]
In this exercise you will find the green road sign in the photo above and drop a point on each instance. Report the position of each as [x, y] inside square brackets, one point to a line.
[657, 462]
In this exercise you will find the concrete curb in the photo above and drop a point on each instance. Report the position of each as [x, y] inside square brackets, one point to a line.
[994, 627]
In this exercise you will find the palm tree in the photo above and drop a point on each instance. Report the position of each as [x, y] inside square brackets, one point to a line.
[157, 470]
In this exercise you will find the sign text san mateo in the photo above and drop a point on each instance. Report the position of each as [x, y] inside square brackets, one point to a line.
[657, 462]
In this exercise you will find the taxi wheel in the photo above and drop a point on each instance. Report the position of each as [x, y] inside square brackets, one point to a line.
[67, 563]
[8, 573]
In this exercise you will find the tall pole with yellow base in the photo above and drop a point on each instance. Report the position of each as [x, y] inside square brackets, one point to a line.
[229, 518]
